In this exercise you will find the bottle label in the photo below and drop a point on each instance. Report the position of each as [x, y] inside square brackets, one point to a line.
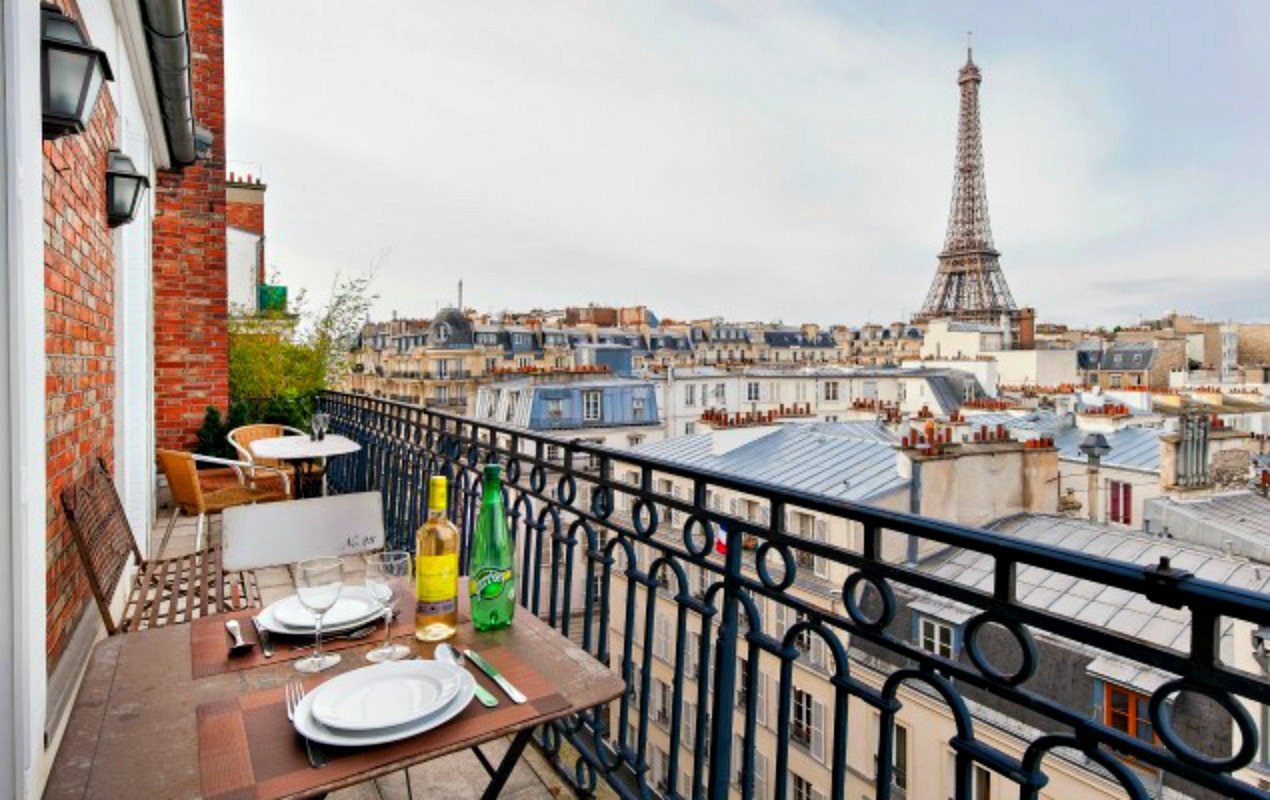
[490, 583]
[437, 582]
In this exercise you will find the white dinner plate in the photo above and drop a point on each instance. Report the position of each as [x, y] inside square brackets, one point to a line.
[354, 603]
[386, 695]
[310, 728]
[270, 622]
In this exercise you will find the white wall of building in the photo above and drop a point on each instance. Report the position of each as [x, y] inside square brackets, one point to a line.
[242, 259]
[956, 340]
[1036, 367]
[22, 472]
[139, 138]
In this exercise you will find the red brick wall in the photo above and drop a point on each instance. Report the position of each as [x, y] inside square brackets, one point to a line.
[79, 282]
[191, 349]
[248, 216]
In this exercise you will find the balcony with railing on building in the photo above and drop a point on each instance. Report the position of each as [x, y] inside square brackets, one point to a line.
[802, 607]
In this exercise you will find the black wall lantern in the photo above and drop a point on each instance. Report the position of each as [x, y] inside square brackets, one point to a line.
[72, 71]
[124, 188]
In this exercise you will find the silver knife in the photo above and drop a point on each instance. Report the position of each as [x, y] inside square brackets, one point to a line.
[503, 683]
[266, 644]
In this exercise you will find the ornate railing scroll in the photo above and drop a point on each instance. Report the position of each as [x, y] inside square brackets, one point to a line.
[602, 548]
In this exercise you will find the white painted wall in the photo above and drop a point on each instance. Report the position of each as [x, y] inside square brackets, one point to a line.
[241, 259]
[1036, 367]
[134, 300]
[22, 471]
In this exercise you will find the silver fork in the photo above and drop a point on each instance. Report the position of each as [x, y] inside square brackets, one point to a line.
[295, 693]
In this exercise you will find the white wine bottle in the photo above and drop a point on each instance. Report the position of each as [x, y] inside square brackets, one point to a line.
[436, 569]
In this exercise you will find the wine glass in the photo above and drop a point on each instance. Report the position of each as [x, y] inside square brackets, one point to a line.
[318, 583]
[387, 577]
[320, 421]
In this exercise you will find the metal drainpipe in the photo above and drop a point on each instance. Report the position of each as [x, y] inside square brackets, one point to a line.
[1094, 463]
[914, 507]
[168, 37]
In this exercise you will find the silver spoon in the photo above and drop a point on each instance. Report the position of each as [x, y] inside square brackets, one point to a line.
[449, 653]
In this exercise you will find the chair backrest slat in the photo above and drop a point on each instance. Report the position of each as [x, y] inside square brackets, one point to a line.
[102, 534]
[272, 534]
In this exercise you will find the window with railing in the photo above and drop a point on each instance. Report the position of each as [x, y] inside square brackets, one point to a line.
[800, 720]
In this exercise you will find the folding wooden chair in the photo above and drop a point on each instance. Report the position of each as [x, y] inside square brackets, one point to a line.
[163, 591]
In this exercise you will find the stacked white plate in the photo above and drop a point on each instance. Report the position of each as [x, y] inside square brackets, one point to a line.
[356, 607]
[384, 703]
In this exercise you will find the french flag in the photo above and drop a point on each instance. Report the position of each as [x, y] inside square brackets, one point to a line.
[721, 539]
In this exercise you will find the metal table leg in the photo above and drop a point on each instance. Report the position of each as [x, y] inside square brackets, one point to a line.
[504, 771]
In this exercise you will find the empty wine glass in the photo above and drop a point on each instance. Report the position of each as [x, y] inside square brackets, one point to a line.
[318, 583]
[387, 578]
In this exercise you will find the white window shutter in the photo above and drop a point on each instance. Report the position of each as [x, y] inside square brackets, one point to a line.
[689, 724]
[765, 515]
[760, 776]
[818, 651]
[781, 618]
[737, 751]
[818, 730]
[819, 564]
[760, 698]
[732, 506]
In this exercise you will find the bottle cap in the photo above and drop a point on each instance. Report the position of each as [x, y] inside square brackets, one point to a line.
[437, 486]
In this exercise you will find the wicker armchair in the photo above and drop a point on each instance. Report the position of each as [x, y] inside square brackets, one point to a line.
[189, 497]
[240, 439]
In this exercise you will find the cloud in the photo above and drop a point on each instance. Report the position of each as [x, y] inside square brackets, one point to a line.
[754, 162]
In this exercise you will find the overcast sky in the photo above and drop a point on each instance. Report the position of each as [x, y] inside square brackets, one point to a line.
[764, 161]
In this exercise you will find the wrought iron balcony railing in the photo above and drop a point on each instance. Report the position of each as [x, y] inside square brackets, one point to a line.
[599, 558]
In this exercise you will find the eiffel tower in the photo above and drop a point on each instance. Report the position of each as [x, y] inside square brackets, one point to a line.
[969, 284]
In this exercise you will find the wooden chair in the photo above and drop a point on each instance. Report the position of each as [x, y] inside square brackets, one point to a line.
[163, 591]
[254, 537]
[240, 439]
[188, 496]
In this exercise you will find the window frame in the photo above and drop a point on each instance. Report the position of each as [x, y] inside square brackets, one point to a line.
[592, 405]
[1135, 725]
[937, 628]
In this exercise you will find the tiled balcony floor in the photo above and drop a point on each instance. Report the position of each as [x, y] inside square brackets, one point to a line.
[455, 777]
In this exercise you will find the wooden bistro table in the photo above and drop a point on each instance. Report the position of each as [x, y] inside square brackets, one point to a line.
[145, 724]
[298, 451]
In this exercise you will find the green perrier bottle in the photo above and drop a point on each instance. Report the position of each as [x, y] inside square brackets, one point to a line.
[490, 581]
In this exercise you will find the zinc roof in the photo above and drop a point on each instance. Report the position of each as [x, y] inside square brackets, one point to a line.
[1125, 613]
[1131, 448]
[839, 460]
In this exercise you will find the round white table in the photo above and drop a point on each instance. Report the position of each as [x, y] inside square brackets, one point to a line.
[298, 450]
